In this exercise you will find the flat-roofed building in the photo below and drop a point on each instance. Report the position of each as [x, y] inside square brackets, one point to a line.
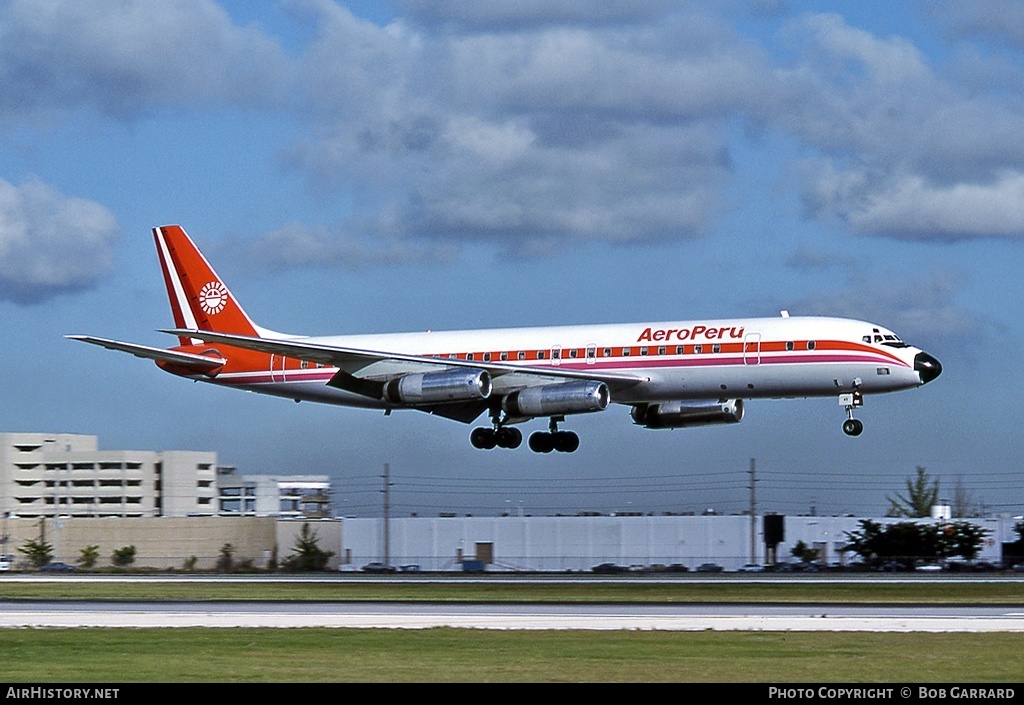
[284, 496]
[63, 474]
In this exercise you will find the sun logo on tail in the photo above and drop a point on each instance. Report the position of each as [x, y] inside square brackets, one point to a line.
[213, 297]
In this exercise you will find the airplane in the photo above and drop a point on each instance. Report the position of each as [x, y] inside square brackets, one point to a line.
[675, 374]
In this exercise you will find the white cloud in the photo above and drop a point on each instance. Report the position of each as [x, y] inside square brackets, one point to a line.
[922, 310]
[124, 57]
[997, 19]
[912, 207]
[552, 123]
[298, 245]
[51, 243]
[901, 149]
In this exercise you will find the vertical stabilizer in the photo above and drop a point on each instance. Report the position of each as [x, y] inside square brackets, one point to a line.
[199, 299]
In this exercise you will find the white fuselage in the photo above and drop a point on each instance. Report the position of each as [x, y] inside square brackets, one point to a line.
[683, 360]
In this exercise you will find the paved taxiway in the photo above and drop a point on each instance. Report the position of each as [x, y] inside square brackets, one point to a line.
[55, 614]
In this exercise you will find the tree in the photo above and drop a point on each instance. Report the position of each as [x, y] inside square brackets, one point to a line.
[88, 556]
[907, 542]
[922, 495]
[964, 503]
[226, 561]
[804, 553]
[961, 539]
[307, 554]
[123, 557]
[39, 553]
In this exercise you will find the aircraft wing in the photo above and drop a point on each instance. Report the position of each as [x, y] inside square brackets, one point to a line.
[356, 366]
[200, 363]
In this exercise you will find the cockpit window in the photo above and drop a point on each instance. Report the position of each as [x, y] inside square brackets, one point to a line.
[888, 339]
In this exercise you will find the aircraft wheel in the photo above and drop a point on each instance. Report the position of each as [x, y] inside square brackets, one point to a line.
[566, 442]
[541, 442]
[483, 438]
[515, 438]
[508, 437]
[853, 427]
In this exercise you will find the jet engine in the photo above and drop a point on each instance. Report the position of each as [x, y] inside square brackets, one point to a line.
[437, 387]
[557, 399]
[681, 414]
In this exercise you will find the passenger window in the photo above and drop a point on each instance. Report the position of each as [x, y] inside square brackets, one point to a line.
[487, 357]
[661, 349]
[607, 352]
[697, 349]
[679, 350]
[716, 348]
[811, 345]
[625, 352]
[643, 350]
[540, 354]
[790, 345]
[521, 355]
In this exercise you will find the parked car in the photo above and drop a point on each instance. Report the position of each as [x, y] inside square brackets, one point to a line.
[6, 562]
[610, 568]
[378, 567]
[709, 568]
[58, 567]
[751, 568]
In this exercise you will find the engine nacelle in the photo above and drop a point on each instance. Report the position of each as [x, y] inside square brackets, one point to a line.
[557, 399]
[682, 414]
[435, 387]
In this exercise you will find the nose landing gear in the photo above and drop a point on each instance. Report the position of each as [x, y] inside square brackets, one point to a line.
[854, 400]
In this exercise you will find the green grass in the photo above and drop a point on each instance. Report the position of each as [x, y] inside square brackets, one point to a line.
[453, 655]
[475, 655]
[966, 592]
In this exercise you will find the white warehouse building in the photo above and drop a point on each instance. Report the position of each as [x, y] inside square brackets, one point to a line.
[579, 543]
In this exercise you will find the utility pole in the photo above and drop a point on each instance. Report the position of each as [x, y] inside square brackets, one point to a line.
[387, 513]
[753, 511]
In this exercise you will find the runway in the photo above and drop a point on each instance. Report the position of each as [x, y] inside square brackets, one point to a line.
[360, 615]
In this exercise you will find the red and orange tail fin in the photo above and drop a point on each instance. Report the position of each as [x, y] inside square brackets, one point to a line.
[199, 299]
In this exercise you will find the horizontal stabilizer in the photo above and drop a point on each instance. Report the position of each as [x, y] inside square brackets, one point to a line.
[200, 363]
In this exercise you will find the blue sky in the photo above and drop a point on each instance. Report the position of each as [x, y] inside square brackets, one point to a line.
[377, 167]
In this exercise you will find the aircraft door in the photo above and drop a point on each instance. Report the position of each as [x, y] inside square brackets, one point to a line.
[277, 363]
[752, 349]
[556, 354]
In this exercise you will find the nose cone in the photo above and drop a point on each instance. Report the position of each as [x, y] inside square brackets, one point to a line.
[927, 366]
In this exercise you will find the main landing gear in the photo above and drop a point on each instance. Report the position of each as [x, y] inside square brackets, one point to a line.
[498, 436]
[854, 400]
[553, 439]
[501, 436]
